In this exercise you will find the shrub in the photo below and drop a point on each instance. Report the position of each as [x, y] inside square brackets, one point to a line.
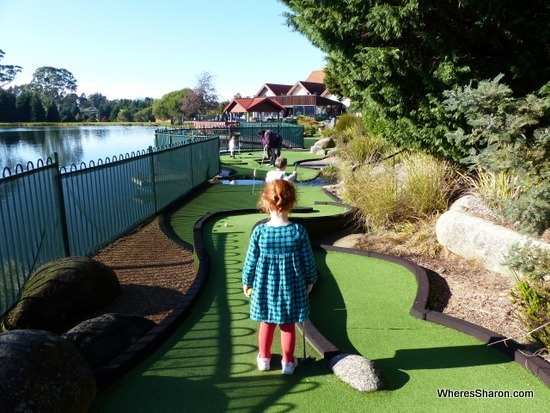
[531, 295]
[371, 190]
[311, 126]
[347, 121]
[510, 135]
[330, 173]
[428, 185]
[494, 189]
[360, 147]
[310, 130]
[388, 194]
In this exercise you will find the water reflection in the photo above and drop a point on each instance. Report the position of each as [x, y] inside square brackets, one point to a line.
[74, 145]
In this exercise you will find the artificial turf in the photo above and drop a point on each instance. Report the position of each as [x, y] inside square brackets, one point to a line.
[361, 304]
[249, 163]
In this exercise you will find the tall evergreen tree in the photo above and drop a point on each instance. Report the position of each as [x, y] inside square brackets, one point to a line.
[23, 106]
[52, 114]
[38, 114]
[8, 112]
[395, 58]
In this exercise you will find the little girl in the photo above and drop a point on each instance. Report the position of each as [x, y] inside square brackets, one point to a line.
[280, 271]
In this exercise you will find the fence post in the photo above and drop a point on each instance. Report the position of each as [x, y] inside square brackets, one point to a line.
[153, 181]
[62, 209]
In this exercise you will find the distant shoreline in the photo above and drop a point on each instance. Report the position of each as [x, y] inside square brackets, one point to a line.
[64, 124]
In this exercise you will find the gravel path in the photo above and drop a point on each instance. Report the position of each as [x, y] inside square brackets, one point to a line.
[154, 272]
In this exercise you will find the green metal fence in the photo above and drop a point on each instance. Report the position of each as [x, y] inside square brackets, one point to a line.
[30, 230]
[247, 132]
[47, 213]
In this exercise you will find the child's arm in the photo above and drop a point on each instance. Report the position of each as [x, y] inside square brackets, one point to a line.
[250, 261]
[306, 254]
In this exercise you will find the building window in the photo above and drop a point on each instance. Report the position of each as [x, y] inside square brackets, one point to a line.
[303, 110]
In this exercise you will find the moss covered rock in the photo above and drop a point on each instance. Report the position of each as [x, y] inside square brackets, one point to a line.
[41, 372]
[62, 293]
[103, 338]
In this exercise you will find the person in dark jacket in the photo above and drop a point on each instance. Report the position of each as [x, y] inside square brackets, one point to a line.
[275, 144]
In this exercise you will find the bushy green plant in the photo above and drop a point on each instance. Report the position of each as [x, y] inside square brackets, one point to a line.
[347, 121]
[358, 146]
[494, 189]
[531, 295]
[311, 126]
[529, 260]
[330, 173]
[388, 194]
[372, 190]
[428, 184]
[509, 135]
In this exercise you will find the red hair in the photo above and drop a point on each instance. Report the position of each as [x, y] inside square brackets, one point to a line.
[278, 195]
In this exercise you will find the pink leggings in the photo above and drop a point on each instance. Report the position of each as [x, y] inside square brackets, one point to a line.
[288, 340]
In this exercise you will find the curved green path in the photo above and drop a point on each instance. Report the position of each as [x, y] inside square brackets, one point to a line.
[361, 304]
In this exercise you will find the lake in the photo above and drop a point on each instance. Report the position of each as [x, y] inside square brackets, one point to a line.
[74, 144]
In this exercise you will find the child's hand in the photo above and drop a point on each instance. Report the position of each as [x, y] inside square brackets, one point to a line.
[247, 290]
[309, 288]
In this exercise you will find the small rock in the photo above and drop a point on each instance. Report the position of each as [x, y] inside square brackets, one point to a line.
[357, 371]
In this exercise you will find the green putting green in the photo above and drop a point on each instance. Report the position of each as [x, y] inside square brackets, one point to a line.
[246, 163]
[361, 304]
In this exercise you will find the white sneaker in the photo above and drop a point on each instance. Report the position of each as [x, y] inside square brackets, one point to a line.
[288, 368]
[263, 363]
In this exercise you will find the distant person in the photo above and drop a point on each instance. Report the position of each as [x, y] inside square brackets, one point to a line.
[278, 274]
[280, 173]
[232, 145]
[275, 144]
[265, 144]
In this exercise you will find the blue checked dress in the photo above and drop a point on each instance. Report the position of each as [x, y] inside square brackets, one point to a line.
[279, 265]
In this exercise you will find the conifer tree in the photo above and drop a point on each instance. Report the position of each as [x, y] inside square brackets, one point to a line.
[395, 58]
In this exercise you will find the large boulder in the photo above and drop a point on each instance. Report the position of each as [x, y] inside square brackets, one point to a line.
[62, 293]
[103, 338]
[40, 372]
[479, 239]
[325, 143]
[317, 150]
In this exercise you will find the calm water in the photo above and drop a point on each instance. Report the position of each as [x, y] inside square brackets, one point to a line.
[74, 145]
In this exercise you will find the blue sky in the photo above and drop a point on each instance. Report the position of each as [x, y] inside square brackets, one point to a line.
[143, 48]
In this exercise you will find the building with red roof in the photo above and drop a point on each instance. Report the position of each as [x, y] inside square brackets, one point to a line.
[276, 101]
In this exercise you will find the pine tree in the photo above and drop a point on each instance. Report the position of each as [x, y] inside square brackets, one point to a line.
[38, 114]
[52, 114]
[394, 59]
